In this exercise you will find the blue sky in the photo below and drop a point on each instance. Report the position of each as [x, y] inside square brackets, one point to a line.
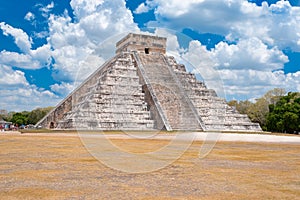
[240, 48]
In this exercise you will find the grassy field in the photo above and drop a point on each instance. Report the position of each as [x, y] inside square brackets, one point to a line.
[53, 167]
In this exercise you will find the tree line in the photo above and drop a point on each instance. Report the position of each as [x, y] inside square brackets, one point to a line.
[26, 117]
[275, 111]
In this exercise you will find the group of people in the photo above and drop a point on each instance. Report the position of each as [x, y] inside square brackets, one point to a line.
[8, 127]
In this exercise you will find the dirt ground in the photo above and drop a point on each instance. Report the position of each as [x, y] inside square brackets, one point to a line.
[59, 167]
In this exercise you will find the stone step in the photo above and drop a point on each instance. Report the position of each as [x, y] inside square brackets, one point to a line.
[214, 111]
[113, 101]
[168, 91]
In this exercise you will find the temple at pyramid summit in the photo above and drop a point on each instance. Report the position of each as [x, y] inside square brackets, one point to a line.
[141, 88]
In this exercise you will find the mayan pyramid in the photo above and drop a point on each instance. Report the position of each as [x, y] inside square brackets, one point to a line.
[141, 88]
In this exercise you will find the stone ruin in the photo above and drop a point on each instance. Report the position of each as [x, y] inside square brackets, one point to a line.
[141, 88]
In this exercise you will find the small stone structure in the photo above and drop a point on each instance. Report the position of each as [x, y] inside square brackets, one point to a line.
[142, 88]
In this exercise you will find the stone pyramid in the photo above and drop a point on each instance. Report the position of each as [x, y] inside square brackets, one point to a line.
[141, 88]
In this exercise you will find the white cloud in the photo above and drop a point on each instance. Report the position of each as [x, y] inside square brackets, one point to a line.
[62, 89]
[244, 70]
[22, 40]
[175, 8]
[46, 9]
[277, 24]
[18, 95]
[26, 98]
[29, 16]
[172, 42]
[78, 46]
[15, 59]
[11, 78]
[145, 7]
[253, 84]
[142, 8]
[42, 34]
[109, 18]
[204, 64]
[253, 62]
[84, 8]
[29, 58]
[249, 53]
[34, 59]
[75, 42]
[74, 46]
[42, 55]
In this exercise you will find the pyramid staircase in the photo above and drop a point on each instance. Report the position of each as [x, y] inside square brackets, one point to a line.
[176, 107]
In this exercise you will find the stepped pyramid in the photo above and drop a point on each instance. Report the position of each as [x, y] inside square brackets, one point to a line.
[141, 88]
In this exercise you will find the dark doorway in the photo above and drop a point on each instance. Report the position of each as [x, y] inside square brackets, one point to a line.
[51, 125]
[146, 50]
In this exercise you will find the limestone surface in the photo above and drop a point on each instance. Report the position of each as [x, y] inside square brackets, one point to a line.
[141, 88]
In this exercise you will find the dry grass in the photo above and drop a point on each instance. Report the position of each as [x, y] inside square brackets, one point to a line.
[40, 167]
[150, 132]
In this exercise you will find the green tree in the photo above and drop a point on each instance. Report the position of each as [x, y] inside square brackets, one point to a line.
[241, 106]
[25, 117]
[273, 96]
[36, 115]
[258, 111]
[20, 118]
[284, 116]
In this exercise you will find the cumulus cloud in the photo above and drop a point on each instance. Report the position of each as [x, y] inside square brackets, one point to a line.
[28, 58]
[142, 8]
[204, 64]
[29, 16]
[70, 43]
[16, 59]
[62, 89]
[18, 95]
[145, 7]
[173, 46]
[45, 10]
[11, 78]
[252, 84]
[34, 59]
[73, 47]
[275, 24]
[75, 42]
[249, 53]
[251, 64]
[22, 40]
[26, 98]
[241, 70]
[175, 8]
[251, 60]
